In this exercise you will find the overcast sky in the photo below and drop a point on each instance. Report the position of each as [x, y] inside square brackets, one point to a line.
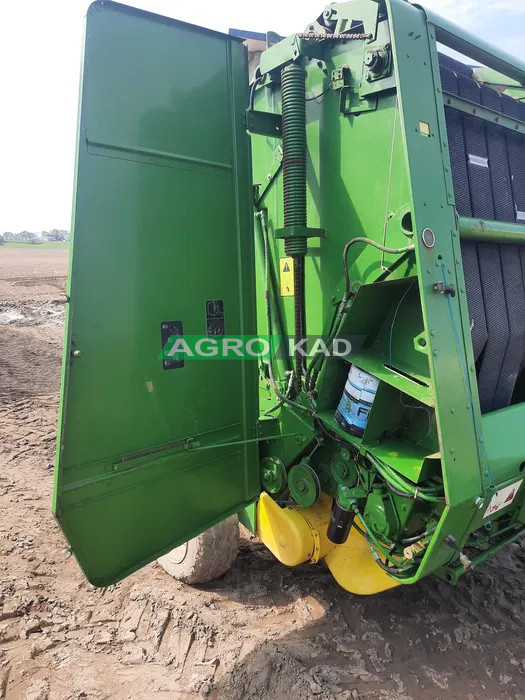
[40, 45]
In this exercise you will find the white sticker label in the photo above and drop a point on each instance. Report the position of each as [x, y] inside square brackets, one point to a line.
[503, 498]
[520, 215]
[478, 160]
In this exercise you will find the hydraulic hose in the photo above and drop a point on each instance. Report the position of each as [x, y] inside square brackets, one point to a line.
[283, 398]
[279, 403]
[369, 241]
[397, 482]
[375, 546]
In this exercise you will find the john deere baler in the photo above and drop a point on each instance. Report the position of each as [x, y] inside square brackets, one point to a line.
[300, 300]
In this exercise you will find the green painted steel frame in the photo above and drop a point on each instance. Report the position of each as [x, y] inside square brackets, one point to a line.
[428, 164]
[465, 463]
[495, 231]
[488, 115]
[475, 48]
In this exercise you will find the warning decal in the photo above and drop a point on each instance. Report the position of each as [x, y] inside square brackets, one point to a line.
[502, 498]
[286, 275]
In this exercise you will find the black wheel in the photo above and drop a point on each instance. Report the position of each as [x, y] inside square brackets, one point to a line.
[205, 557]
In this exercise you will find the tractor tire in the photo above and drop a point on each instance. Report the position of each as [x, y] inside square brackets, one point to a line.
[205, 557]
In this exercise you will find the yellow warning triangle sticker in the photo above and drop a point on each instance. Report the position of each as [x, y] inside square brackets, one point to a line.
[286, 274]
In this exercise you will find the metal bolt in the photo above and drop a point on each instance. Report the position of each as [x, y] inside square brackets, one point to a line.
[76, 353]
[479, 502]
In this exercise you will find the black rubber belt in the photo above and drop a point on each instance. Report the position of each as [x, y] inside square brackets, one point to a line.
[488, 253]
[511, 272]
[490, 185]
[458, 158]
[516, 154]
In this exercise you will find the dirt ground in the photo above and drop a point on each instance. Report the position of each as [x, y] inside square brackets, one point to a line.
[262, 631]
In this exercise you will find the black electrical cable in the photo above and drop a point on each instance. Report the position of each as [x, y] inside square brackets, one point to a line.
[316, 97]
[252, 91]
[332, 436]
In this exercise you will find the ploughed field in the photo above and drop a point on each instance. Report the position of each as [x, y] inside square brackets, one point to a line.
[261, 631]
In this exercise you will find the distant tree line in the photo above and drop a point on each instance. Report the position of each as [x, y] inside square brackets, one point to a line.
[34, 237]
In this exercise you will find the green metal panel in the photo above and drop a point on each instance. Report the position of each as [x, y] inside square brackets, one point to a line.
[504, 440]
[162, 223]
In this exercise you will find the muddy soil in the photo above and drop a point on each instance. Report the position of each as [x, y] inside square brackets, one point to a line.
[261, 631]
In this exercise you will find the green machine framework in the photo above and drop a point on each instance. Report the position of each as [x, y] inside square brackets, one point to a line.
[366, 185]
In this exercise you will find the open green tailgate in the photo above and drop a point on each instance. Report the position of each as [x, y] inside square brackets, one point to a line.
[162, 242]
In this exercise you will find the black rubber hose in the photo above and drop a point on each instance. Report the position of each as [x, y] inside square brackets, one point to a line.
[414, 538]
[397, 492]
[385, 567]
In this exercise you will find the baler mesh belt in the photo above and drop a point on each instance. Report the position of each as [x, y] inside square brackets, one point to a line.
[494, 273]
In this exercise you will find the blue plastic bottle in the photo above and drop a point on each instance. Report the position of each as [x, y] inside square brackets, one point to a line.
[356, 401]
